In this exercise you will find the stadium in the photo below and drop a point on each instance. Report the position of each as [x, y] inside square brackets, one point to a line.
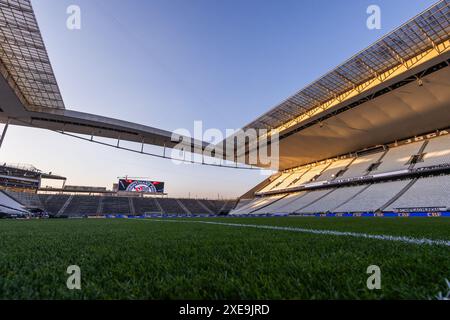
[362, 179]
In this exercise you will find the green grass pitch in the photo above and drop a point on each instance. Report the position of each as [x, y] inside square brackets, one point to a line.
[147, 259]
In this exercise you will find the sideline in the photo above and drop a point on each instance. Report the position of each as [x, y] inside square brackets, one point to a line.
[404, 239]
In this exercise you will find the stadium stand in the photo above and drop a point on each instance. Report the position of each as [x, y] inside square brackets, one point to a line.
[306, 200]
[398, 158]
[360, 166]
[300, 176]
[194, 206]
[374, 197]
[53, 203]
[428, 193]
[28, 199]
[337, 168]
[311, 175]
[333, 199]
[227, 206]
[116, 205]
[257, 204]
[10, 206]
[436, 152]
[171, 206]
[276, 181]
[146, 205]
[290, 178]
[356, 105]
[277, 207]
[242, 203]
[82, 205]
[214, 206]
[402, 176]
[420, 192]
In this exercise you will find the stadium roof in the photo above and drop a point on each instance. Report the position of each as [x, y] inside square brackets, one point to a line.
[25, 62]
[395, 89]
[29, 91]
[429, 30]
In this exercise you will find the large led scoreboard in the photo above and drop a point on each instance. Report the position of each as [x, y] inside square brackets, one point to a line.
[141, 186]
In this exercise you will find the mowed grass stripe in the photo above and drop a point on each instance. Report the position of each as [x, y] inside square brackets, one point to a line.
[404, 239]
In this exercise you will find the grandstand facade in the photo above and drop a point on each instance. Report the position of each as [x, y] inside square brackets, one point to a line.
[411, 176]
[75, 205]
[371, 136]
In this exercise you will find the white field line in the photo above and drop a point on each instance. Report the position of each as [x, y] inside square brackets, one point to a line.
[417, 241]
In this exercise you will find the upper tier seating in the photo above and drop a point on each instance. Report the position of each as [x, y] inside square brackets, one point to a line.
[333, 200]
[436, 152]
[359, 167]
[374, 197]
[430, 192]
[398, 158]
[337, 166]
[276, 182]
[294, 176]
[310, 174]
[302, 176]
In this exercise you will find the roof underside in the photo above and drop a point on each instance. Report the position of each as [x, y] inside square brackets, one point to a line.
[29, 93]
[25, 62]
[405, 110]
[422, 33]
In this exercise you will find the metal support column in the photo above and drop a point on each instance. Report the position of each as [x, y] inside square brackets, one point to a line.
[4, 133]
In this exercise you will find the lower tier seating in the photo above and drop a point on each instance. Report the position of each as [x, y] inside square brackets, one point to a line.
[146, 206]
[115, 205]
[431, 192]
[194, 206]
[257, 204]
[374, 197]
[29, 200]
[332, 200]
[171, 206]
[53, 203]
[82, 205]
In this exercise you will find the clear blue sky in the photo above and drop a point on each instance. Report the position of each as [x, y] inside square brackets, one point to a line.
[168, 63]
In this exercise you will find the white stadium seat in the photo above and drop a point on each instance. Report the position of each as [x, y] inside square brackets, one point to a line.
[293, 177]
[302, 200]
[337, 166]
[359, 167]
[374, 197]
[397, 158]
[333, 199]
[431, 192]
[256, 204]
[278, 206]
[436, 152]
